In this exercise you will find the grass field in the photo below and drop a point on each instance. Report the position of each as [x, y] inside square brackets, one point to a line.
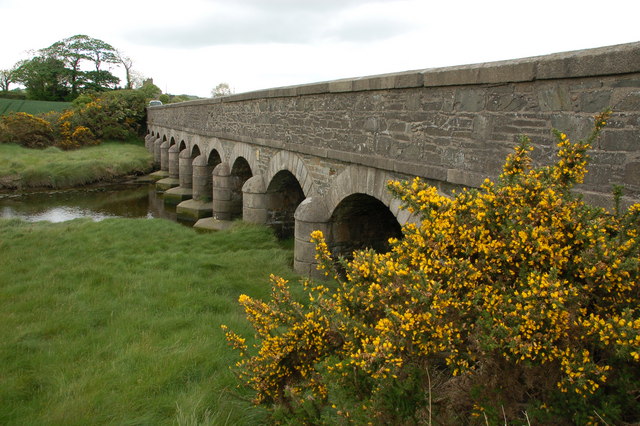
[31, 107]
[118, 322]
[53, 168]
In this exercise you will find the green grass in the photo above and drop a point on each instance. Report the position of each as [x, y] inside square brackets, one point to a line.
[32, 107]
[53, 168]
[118, 322]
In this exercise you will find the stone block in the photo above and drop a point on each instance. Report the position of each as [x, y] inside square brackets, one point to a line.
[338, 86]
[193, 210]
[632, 174]
[175, 196]
[620, 140]
[253, 215]
[470, 100]
[221, 194]
[211, 224]
[466, 178]
[167, 183]
[595, 101]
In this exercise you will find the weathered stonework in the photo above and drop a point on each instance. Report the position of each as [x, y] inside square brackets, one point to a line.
[452, 126]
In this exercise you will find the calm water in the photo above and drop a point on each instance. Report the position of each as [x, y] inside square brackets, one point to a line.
[97, 202]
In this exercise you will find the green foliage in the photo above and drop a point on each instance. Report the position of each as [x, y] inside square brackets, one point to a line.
[119, 332]
[55, 73]
[115, 115]
[13, 94]
[45, 78]
[512, 303]
[150, 90]
[26, 130]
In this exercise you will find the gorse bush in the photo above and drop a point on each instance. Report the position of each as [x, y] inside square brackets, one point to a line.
[515, 302]
[26, 130]
[116, 115]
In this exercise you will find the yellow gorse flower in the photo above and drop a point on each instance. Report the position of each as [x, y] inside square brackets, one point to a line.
[518, 276]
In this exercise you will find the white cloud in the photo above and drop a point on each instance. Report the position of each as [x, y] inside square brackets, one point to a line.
[189, 46]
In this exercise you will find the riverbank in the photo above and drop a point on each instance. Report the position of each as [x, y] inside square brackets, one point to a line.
[26, 169]
[118, 321]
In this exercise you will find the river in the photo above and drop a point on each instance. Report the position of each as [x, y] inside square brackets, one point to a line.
[96, 202]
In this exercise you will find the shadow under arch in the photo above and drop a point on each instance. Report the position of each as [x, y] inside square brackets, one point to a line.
[283, 196]
[361, 221]
[239, 174]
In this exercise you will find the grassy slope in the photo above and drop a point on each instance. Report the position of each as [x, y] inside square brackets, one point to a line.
[119, 321]
[24, 168]
[32, 107]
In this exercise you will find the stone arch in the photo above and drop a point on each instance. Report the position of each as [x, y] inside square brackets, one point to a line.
[195, 151]
[182, 146]
[285, 160]
[214, 158]
[282, 197]
[240, 172]
[361, 221]
[245, 151]
[172, 141]
[369, 181]
[357, 208]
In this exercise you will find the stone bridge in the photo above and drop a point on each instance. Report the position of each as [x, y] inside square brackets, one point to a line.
[318, 156]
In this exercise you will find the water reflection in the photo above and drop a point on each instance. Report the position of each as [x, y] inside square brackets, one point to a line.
[97, 203]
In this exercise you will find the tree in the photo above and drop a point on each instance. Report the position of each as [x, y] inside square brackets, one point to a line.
[127, 64]
[150, 90]
[221, 89]
[72, 51]
[7, 77]
[99, 81]
[45, 78]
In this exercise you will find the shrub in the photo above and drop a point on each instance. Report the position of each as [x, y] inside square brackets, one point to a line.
[26, 130]
[116, 115]
[515, 302]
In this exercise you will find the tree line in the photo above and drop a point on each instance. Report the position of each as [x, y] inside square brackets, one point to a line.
[69, 68]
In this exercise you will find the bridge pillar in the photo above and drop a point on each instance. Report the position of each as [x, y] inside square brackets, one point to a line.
[164, 157]
[311, 215]
[185, 168]
[148, 142]
[202, 178]
[226, 195]
[156, 152]
[185, 179]
[254, 200]
[200, 206]
[172, 164]
[174, 167]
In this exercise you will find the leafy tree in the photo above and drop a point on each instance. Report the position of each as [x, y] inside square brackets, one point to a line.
[222, 89]
[74, 52]
[44, 77]
[150, 90]
[99, 81]
[7, 77]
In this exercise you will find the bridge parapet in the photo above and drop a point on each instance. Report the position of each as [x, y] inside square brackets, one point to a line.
[452, 126]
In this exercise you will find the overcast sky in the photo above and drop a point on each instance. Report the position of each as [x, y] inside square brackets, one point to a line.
[189, 46]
